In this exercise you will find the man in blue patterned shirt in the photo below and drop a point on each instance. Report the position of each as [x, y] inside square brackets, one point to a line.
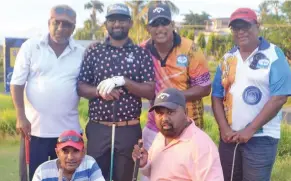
[71, 164]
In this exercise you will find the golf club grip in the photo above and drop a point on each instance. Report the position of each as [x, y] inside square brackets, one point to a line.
[27, 150]
[115, 104]
[136, 165]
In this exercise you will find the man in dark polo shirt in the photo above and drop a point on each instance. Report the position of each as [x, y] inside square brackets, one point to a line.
[115, 71]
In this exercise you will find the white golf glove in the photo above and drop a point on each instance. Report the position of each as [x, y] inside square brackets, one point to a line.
[107, 85]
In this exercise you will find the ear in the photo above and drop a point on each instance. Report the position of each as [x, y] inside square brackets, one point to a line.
[130, 23]
[148, 28]
[57, 152]
[48, 22]
[84, 150]
[173, 24]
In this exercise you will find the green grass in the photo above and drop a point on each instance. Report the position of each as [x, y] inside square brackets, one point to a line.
[1, 86]
[9, 161]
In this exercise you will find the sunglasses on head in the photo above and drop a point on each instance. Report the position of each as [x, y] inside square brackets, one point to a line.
[75, 139]
[68, 12]
[160, 22]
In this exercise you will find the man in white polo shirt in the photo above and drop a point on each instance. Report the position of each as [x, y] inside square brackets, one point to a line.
[43, 86]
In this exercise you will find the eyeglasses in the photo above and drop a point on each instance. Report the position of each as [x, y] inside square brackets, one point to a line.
[75, 139]
[65, 24]
[68, 12]
[120, 19]
[160, 22]
[244, 27]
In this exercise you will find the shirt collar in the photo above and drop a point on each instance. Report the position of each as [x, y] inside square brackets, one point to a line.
[128, 43]
[187, 134]
[72, 43]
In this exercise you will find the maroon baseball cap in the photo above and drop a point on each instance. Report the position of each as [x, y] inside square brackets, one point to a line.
[63, 13]
[70, 138]
[245, 14]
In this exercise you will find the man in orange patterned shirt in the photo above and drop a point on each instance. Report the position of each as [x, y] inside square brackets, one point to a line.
[178, 63]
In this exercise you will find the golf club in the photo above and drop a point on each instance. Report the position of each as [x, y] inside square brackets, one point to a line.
[22, 160]
[136, 165]
[113, 138]
[233, 161]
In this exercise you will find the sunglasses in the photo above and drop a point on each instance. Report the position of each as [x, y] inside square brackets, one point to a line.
[75, 139]
[243, 27]
[121, 19]
[160, 22]
[65, 24]
[68, 12]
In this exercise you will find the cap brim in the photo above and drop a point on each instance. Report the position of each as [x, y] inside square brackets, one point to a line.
[78, 146]
[243, 19]
[168, 105]
[117, 13]
[159, 16]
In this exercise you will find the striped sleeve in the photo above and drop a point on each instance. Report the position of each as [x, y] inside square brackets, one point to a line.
[95, 173]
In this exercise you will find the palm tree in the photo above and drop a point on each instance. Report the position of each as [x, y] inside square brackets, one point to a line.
[95, 6]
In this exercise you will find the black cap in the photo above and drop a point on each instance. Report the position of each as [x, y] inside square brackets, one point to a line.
[170, 98]
[120, 9]
[159, 11]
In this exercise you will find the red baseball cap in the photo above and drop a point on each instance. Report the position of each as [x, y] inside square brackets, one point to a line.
[70, 138]
[245, 14]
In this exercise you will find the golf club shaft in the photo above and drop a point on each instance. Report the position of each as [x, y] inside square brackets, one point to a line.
[113, 138]
[136, 165]
[112, 151]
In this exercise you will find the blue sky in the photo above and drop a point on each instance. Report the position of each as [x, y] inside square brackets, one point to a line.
[28, 18]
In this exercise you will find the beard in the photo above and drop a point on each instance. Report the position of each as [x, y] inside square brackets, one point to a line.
[168, 130]
[120, 35]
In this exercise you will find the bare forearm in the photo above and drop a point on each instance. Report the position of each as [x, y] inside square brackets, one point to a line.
[145, 90]
[197, 92]
[269, 111]
[218, 111]
[17, 92]
[87, 91]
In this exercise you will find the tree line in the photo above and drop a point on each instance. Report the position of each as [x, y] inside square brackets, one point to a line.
[275, 20]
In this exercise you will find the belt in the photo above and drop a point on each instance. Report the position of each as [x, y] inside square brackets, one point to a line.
[119, 123]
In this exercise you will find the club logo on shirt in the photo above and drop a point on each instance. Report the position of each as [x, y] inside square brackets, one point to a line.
[129, 58]
[252, 95]
[182, 60]
[260, 61]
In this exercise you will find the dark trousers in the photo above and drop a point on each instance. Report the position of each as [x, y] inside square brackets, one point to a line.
[41, 150]
[254, 160]
[99, 147]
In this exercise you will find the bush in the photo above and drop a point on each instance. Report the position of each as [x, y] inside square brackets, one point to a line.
[201, 40]
[8, 122]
